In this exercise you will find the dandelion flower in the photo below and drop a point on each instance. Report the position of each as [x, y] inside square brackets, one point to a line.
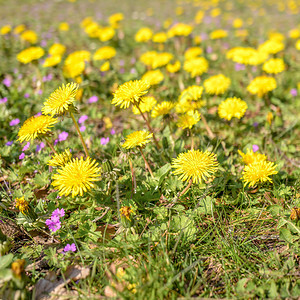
[105, 52]
[218, 34]
[130, 93]
[29, 36]
[22, 205]
[192, 52]
[232, 108]
[250, 157]
[160, 37]
[137, 139]
[126, 211]
[146, 105]
[173, 68]
[52, 61]
[191, 93]
[195, 165]
[180, 29]
[77, 177]
[271, 46]
[217, 85]
[57, 49]
[258, 172]
[28, 55]
[196, 66]
[35, 127]
[60, 100]
[162, 109]
[188, 120]
[59, 160]
[262, 85]
[274, 66]
[153, 77]
[143, 35]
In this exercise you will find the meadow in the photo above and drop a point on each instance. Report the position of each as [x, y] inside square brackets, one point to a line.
[150, 149]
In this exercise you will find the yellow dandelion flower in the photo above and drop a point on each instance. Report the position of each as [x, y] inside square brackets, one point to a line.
[160, 37]
[180, 29]
[153, 77]
[188, 120]
[191, 93]
[52, 61]
[143, 35]
[76, 177]
[196, 66]
[106, 34]
[218, 34]
[57, 49]
[73, 69]
[250, 157]
[161, 59]
[195, 165]
[22, 205]
[173, 68]
[297, 45]
[192, 53]
[130, 93]
[29, 36]
[63, 26]
[5, 29]
[105, 67]
[294, 33]
[146, 105]
[247, 56]
[271, 46]
[258, 172]
[115, 19]
[60, 100]
[237, 23]
[262, 85]
[217, 85]
[274, 66]
[19, 29]
[35, 127]
[162, 109]
[28, 55]
[60, 159]
[105, 52]
[232, 108]
[137, 139]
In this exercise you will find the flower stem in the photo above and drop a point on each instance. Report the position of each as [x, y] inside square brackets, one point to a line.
[209, 132]
[80, 135]
[146, 163]
[192, 139]
[149, 127]
[186, 188]
[50, 145]
[132, 176]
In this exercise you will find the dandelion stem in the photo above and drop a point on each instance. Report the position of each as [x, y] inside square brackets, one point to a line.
[186, 188]
[149, 127]
[146, 163]
[50, 145]
[192, 140]
[209, 132]
[132, 176]
[80, 135]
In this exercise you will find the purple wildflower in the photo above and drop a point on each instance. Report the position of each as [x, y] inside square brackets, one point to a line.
[22, 155]
[26, 95]
[7, 82]
[69, 247]
[58, 213]
[112, 132]
[239, 67]
[209, 49]
[43, 43]
[14, 122]
[40, 147]
[294, 92]
[9, 143]
[121, 62]
[26, 147]
[82, 128]
[82, 119]
[38, 114]
[93, 99]
[53, 223]
[62, 136]
[255, 124]
[55, 142]
[104, 141]
[3, 100]
[255, 148]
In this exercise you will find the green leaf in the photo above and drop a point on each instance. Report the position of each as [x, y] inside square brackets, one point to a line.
[41, 180]
[286, 235]
[6, 260]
